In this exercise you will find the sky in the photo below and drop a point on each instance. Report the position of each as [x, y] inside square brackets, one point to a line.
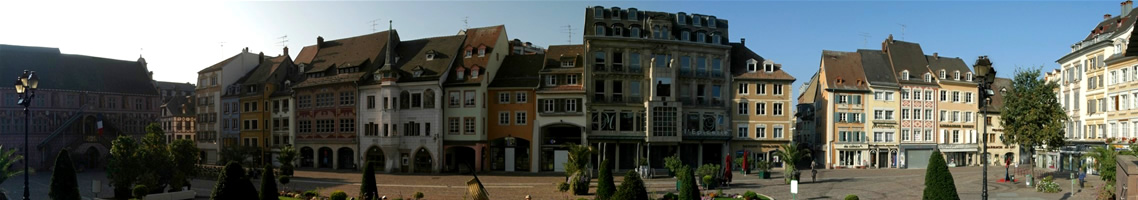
[177, 39]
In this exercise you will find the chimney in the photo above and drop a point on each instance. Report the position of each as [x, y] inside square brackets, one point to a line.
[260, 58]
[1105, 16]
[935, 56]
[1126, 7]
[246, 50]
[286, 51]
[890, 39]
[743, 41]
[319, 41]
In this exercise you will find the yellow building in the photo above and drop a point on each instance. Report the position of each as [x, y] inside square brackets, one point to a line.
[761, 116]
[957, 104]
[255, 110]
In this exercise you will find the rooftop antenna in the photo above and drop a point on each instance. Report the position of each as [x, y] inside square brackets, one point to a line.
[282, 40]
[222, 48]
[864, 39]
[903, 26]
[568, 29]
[373, 24]
[466, 22]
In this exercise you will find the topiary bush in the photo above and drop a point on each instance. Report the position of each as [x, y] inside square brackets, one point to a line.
[418, 195]
[688, 188]
[632, 188]
[140, 191]
[750, 195]
[269, 189]
[338, 195]
[605, 186]
[233, 184]
[64, 185]
[284, 179]
[851, 197]
[368, 190]
[938, 180]
[671, 196]
[311, 193]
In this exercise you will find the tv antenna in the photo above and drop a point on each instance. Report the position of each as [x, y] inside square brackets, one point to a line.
[466, 22]
[864, 39]
[222, 44]
[568, 30]
[373, 24]
[903, 26]
[282, 41]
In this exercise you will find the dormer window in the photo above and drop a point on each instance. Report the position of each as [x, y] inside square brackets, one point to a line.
[752, 65]
[599, 12]
[701, 37]
[905, 75]
[715, 39]
[474, 71]
[600, 30]
[768, 67]
[695, 19]
[928, 78]
[680, 18]
[968, 76]
[841, 81]
[685, 35]
[418, 71]
[632, 14]
[431, 55]
[711, 21]
[481, 51]
[943, 74]
[469, 52]
[568, 63]
[616, 30]
[634, 32]
[956, 75]
[461, 73]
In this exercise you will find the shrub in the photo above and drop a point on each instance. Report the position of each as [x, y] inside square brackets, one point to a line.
[605, 185]
[368, 190]
[1048, 185]
[632, 188]
[708, 181]
[269, 184]
[338, 195]
[311, 193]
[851, 197]
[64, 185]
[671, 196]
[233, 184]
[1106, 192]
[140, 191]
[283, 179]
[938, 180]
[673, 163]
[750, 195]
[688, 189]
[563, 187]
[418, 195]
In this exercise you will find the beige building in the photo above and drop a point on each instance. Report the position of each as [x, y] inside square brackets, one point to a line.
[957, 103]
[883, 108]
[840, 101]
[760, 89]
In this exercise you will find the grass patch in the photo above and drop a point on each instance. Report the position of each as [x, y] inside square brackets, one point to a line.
[287, 198]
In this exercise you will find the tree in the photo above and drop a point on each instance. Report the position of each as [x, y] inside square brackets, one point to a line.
[286, 157]
[269, 184]
[122, 166]
[233, 184]
[688, 189]
[64, 185]
[1032, 116]
[7, 159]
[1105, 163]
[154, 153]
[234, 153]
[576, 168]
[632, 188]
[938, 180]
[368, 190]
[605, 186]
[185, 158]
[791, 154]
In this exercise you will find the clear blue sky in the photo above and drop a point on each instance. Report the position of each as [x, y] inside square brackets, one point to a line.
[178, 39]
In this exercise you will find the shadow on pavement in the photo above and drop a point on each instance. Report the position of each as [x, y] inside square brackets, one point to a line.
[822, 197]
[1066, 196]
[827, 180]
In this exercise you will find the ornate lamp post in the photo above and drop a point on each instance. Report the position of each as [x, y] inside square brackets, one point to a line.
[26, 86]
[986, 75]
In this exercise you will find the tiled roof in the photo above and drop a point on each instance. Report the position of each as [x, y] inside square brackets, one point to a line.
[843, 70]
[907, 56]
[174, 106]
[877, 69]
[218, 65]
[261, 74]
[365, 51]
[413, 56]
[808, 96]
[519, 71]
[306, 55]
[1113, 24]
[739, 56]
[76, 72]
[998, 99]
[163, 85]
[475, 38]
[949, 65]
[553, 57]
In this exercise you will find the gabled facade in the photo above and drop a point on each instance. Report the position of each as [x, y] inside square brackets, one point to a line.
[513, 110]
[482, 53]
[560, 98]
[958, 105]
[843, 90]
[212, 84]
[919, 91]
[177, 118]
[761, 105]
[883, 112]
[255, 92]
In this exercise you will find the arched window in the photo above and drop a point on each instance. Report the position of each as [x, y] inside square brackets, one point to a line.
[429, 99]
[617, 30]
[405, 100]
[928, 77]
[905, 75]
[943, 74]
[685, 35]
[956, 75]
[632, 14]
[968, 76]
[700, 36]
[600, 29]
[599, 12]
[634, 32]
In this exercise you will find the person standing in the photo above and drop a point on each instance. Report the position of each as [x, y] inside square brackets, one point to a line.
[813, 171]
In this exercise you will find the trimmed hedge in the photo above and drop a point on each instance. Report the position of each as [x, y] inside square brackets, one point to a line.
[605, 186]
[938, 180]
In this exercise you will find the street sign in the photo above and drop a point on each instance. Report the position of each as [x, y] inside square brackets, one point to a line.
[794, 186]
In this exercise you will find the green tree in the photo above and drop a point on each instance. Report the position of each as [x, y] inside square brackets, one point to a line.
[122, 166]
[632, 188]
[368, 190]
[576, 168]
[286, 157]
[233, 184]
[185, 158]
[269, 184]
[791, 154]
[154, 153]
[1104, 163]
[7, 159]
[938, 180]
[64, 185]
[1031, 116]
[605, 186]
[688, 188]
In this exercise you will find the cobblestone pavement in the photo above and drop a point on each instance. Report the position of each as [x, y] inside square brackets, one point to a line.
[831, 184]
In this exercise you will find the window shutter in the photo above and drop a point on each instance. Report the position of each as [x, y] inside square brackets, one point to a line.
[838, 117]
[943, 136]
[862, 118]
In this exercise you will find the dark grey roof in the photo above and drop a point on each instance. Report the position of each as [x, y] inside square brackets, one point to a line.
[739, 56]
[877, 69]
[76, 72]
[998, 99]
[413, 56]
[907, 56]
[949, 65]
[174, 106]
[519, 71]
[163, 85]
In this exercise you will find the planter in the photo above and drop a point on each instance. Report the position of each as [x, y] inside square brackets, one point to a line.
[764, 174]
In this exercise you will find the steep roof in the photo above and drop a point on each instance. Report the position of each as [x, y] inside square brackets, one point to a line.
[740, 54]
[76, 72]
[163, 85]
[475, 38]
[553, 57]
[263, 71]
[218, 65]
[306, 55]
[998, 100]
[174, 106]
[949, 65]
[413, 56]
[843, 71]
[365, 51]
[808, 96]
[1113, 25]
[907, 56]
[519, 71]
[877, 69]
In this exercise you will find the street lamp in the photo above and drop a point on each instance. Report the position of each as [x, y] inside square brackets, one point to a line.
[986, 75]
[26, 86]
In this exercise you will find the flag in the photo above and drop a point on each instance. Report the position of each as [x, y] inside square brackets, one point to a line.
[99, 124]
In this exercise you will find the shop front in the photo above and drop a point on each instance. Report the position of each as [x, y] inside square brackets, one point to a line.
[959, 155]
[852, 156]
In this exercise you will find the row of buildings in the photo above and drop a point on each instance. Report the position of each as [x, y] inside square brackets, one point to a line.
[890, 108]
[644, 85]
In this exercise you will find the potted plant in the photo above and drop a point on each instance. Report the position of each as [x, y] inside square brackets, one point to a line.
[644, 169]
[764, 169]
[673, 164]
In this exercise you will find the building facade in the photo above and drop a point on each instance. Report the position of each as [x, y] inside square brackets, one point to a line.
[884, 108]
[513, 111]
[482, 54]
[843, 90]
[171, 89]
[761, 105]
[560, 113]
[177, 118]
[957, 105]
[918, 97]
[212, 84]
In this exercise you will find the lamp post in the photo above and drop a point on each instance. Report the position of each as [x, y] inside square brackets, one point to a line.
[986, 75]
[26, 86]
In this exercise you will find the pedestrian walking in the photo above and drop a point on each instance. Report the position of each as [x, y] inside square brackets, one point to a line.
[813, 171]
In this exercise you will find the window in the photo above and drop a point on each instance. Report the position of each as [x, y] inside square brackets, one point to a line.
[752, 65]
[599, 61]
[955, 116]
[968, 76]
[955, 96]
[742, 107]
[324, 99]
[701, 66]
[928, 77]
[777, 109]
[716, 67]
[454, 99]
[600, 29]
[743, 89]
[685, 65]
[503, 97]
[469, 52]
[777, 89]
[481, 52]
[504, 118]
[634, 90]
[943, 75]
[956, 75]
[468, 98]
[968, 97]
[905, 135]
[685, 35]
[905, 94]
[761, 88]
[968, 116]
[548, 105]
[521, 97]
[760, 108]
[742, 131]
[416, 100]
[904, 113]
[878, 114]
[929, 114]
[905, 75]
[452, 126]
[550, 80]
[943, 115]
[571, 105]
[778, 131]
[348, 125]
[944, 96]
[520, 118]
[598, 12]
[761, 131]
[634, 62]
[468, 125]
[634, 32]
[370, 102]
[917, 114]
[916, 95]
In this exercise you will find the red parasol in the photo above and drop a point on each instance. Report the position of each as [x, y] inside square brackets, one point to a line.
[745, 169]
[727, 169]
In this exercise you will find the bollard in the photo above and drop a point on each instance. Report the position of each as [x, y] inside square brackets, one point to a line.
[1073, 179]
